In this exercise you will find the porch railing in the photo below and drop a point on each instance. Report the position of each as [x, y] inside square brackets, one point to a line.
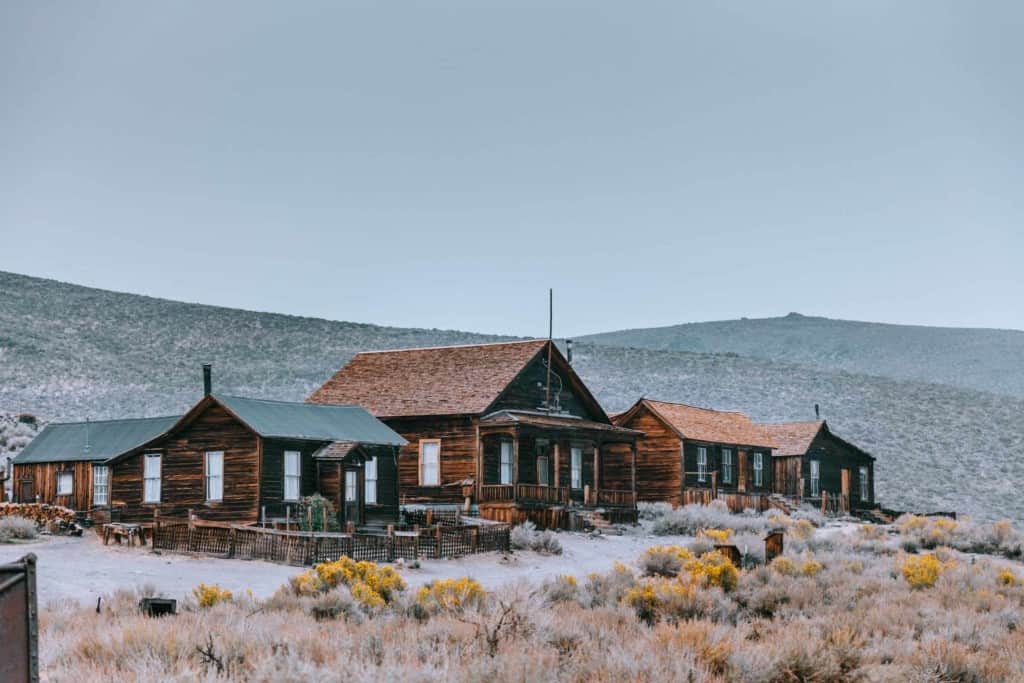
[490, 493]
[612, 498]
[497, 493]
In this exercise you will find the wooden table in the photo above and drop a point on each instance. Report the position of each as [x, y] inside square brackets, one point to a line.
[129, 532]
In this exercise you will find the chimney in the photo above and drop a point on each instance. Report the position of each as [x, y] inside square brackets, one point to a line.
[207, 379]
[568, 350]
[817, 412]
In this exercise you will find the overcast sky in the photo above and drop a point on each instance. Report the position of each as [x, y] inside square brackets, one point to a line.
[442, 166]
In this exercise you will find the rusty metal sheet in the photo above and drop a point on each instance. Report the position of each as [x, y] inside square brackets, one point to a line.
[19, 631]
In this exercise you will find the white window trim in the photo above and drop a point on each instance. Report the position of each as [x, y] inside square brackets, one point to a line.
[726, 465]
[815, 472]
[865, 490]
[208, 478]
[758, 468]
[146, 459]
[422, 463]
[96, 498]
[68, 476]
[370, 483]
[576, 467]
[505, 467]
[702, 463]
[285, 477]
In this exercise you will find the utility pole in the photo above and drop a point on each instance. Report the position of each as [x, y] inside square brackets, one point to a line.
[551, 326]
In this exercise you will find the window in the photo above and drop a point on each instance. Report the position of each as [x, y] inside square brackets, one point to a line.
[214, 476]
[370, 483]
[726, 465]
[576, 467]
[151, 478]
[430, 462]
[65, 483]
[100, 485]
[506, 462]
[292, 474]
[702, 463]
[351, 486]
[864, 484]
[542, 470]
[815, 478]
[758, 469]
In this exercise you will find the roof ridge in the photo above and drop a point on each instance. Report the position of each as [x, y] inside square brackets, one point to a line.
[452, 346]
[289, 403]
[115, 419]
[687, 405]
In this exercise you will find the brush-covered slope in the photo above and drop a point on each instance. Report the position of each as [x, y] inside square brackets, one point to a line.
[988, 360]
[69, 352]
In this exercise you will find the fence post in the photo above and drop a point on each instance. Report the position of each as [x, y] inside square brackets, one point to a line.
[231, 542]
[391, 542]
[475, 539]
[191, 528]
[156, 527]
[287, 517]
[430, 516]
[824, 502]
[437, 547]
[263, 516]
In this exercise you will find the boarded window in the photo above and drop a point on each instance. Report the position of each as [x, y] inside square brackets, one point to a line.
[65, 483]
[100, 485]
[214, 476]
[758, 469]
[815, 478]
[865, 490]
[151, 478]
[351, 486]
[542, 471]
[576, 467]
[370, 485]
[506, 462]
[292, 475]
[726, 465]
[430, 462]
[702, 463]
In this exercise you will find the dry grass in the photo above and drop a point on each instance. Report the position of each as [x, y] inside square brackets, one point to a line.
[826, 612]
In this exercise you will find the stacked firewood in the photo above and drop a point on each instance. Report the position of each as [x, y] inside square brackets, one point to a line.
[44, 515]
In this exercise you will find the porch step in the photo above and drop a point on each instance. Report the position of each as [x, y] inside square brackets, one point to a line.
[782, 503]
[594, 519]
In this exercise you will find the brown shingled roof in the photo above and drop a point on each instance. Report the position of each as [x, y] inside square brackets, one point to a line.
[793, 438]
[704, 424]
[446, 380]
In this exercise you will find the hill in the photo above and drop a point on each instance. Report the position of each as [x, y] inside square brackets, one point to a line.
[987, 360]
[70, 352]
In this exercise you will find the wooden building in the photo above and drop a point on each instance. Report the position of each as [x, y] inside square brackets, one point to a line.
[811, 459]
[695, 455]
[485, 422]
[244, 460]
[64, 463]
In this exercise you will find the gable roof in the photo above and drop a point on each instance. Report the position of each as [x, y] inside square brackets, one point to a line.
[91, 441]
[444, 380]
[703, 424]
[793, 438]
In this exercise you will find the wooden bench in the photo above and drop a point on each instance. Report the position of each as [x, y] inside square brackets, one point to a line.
[128, 532]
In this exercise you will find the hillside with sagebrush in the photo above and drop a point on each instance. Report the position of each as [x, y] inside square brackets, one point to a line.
[986, 360]
[70, 352]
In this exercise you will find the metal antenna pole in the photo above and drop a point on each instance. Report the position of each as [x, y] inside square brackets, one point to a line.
[551, 327]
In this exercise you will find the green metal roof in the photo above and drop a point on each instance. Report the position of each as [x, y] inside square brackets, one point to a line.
[75, 441]
[311, 421]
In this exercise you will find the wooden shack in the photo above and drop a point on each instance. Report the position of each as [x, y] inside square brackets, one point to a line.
[510, 425]
[64, 463]
[696, 455]
[811, 459]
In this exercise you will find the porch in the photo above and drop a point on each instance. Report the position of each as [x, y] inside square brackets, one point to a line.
[538, 466]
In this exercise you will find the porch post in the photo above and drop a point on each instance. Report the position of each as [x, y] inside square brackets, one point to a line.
[479, 464]
[597, 467]
[558, 466]
[632, 452]
[515, 462]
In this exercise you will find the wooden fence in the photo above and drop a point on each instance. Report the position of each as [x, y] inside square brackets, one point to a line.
[306, 548]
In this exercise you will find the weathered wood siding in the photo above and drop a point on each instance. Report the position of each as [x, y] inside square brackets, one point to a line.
[523, 393]
[658, 461]
[835, 455]
[44, 483]
[786, 475]
[743, 467]
[183, 472]
[272, 478]
[616, 467]
[458, 456]
[386, 510]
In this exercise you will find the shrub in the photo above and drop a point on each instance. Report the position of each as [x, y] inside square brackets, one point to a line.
[317, 513]
[719, 536]
[921, 571]
[370, 585]
[17, 528]
[690, 520]
[713, 569]
[664, 560]
[451, 595]
[211, 595]
[810, 567]
[334, 604]
[672, 599]
[562, 588]
[1006, 578]
[526, 537]
[784, 565]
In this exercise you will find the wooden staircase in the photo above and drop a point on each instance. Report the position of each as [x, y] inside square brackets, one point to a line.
[589, 520]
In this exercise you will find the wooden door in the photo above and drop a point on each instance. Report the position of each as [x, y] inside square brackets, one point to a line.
[352, 495]
[845, 473]
[25, 493]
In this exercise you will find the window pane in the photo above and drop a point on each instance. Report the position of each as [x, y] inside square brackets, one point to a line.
[64, 480]
[542, 471]
[100, 483]
[292, 475]
[576, 470]
[371, 481]
[506, 462]
[429, 465]
[351, 481]
[151, 475]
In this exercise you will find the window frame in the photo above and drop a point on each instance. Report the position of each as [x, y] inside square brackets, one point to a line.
[147, 478]
[727, 465]
[369, 499]
[296, 477]
[576, 468]
[351, 493]
[502, 465]
[69, 476]
[543, 465]
[106, 484]
[702, 464]
[814, 477]
[422, 462]
[864, 473]
[759, 469]
[208, 477]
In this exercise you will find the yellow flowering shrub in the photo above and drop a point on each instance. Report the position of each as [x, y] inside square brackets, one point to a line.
[452, 595]
[371, 585]
[922, 571]
[1006, 578]
[802, 529]
[810, 567]
[713, 569]
[664, 560]
[719, 536]
[871, 532]
[657, 598]
[210, 595]
[784, 566]
[913, 523]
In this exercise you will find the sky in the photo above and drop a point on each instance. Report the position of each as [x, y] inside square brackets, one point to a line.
[442, 165]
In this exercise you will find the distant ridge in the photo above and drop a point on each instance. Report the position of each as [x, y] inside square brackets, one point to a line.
[984, 359]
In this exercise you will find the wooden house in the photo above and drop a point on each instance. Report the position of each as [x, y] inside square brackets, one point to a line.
[811, 459]
[64, 463]
[695, 455]
[245, 460]
[510, 426]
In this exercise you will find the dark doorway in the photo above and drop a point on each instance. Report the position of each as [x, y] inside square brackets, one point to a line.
[25, 493]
